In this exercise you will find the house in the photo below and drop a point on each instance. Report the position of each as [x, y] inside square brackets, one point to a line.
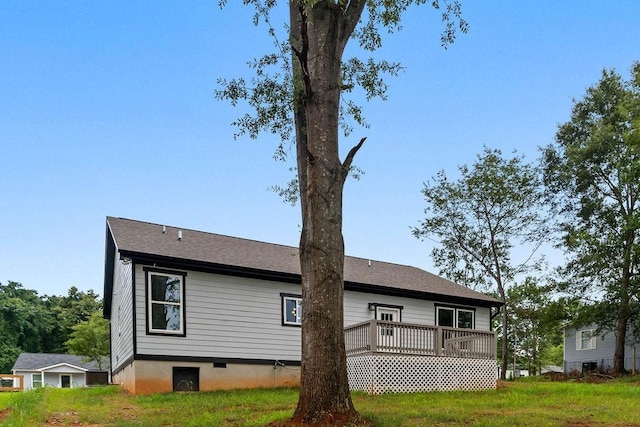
[57, 370]
[587, 350]
[191, 310]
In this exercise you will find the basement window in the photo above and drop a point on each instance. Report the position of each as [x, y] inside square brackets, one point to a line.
[186, 379]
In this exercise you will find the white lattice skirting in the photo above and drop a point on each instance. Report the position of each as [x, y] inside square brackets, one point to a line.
[382, 373]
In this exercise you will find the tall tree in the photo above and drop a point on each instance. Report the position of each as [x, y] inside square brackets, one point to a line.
[304, 102]
[482, 221]
[593, 176]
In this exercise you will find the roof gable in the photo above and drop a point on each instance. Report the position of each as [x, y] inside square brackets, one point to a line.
[63, 367]
[148, 242]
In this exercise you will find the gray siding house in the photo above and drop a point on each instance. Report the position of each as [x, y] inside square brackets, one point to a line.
[191, 310]
[585, 351]
[57, 370]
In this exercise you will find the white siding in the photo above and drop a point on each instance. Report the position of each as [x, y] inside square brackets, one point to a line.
[602, 354]
[121, 314]
[233, 317]
[356, 309]
[52, 379]
[26, 378]
[604, 347]
[483, 318]
[226, 317]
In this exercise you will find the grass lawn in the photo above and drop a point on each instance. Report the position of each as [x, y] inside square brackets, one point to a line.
[5, 400]
[520, 403]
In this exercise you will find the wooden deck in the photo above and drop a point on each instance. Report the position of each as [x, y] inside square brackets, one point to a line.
[397, 357]
[377, 336]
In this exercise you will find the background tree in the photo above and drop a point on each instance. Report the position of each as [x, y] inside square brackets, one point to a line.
[478, 221]
[26, 323]
[301, 101]
[536, 320]
[90, 339]
[31, 323]
[592, 172]
[69, 310]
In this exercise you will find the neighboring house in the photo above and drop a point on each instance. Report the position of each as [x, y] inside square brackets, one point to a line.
[190, 310]
[58, 370]
[585, 350]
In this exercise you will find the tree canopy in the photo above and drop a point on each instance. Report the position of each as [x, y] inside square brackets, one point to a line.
[39, 324]
[478, 221]
[592, 172]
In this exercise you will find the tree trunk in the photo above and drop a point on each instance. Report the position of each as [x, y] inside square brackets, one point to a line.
[505, 345]
[317, 39]
[623, 309]
[505, 320]
[618, 355]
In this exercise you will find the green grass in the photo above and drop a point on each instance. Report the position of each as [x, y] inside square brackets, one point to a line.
[520, 403]
[5, 400]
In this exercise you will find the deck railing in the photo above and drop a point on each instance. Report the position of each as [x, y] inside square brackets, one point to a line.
[9, 382]
[377, 336]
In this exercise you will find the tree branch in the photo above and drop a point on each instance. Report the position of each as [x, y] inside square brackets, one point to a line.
[346, 165]
[352, 13]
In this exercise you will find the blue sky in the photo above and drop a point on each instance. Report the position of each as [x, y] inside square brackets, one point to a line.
[107, 108]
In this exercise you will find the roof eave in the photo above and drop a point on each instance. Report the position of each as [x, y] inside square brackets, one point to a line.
[208, 267]
[431, 296]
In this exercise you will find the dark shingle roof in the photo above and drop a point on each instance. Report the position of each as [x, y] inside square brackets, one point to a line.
[34, 361]
[136, 238]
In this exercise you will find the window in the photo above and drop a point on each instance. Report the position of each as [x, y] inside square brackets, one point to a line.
[165, 298]
[36, 380]
[452, 317]
[586, 340]
[445, 316]
[291, 310]
[465, 318]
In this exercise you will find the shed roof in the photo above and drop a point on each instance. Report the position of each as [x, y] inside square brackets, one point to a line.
[36, 361]
[147, 241]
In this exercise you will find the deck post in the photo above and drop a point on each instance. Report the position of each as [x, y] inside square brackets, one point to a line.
[439, 342]
[373, 335]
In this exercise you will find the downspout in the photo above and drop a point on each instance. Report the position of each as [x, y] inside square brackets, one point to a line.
[493, 316]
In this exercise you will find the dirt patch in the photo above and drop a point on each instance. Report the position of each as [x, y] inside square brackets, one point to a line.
[3, 414]
[501, 384]
[341, 420]
[67, 419]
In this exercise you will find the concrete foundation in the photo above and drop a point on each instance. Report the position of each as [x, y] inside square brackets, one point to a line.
[147, 377]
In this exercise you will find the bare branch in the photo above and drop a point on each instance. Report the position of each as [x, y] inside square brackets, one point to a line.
[349, 159]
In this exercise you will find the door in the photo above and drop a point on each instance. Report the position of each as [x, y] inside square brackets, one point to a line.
[445, 316]
[388, 335]
[65, 381]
